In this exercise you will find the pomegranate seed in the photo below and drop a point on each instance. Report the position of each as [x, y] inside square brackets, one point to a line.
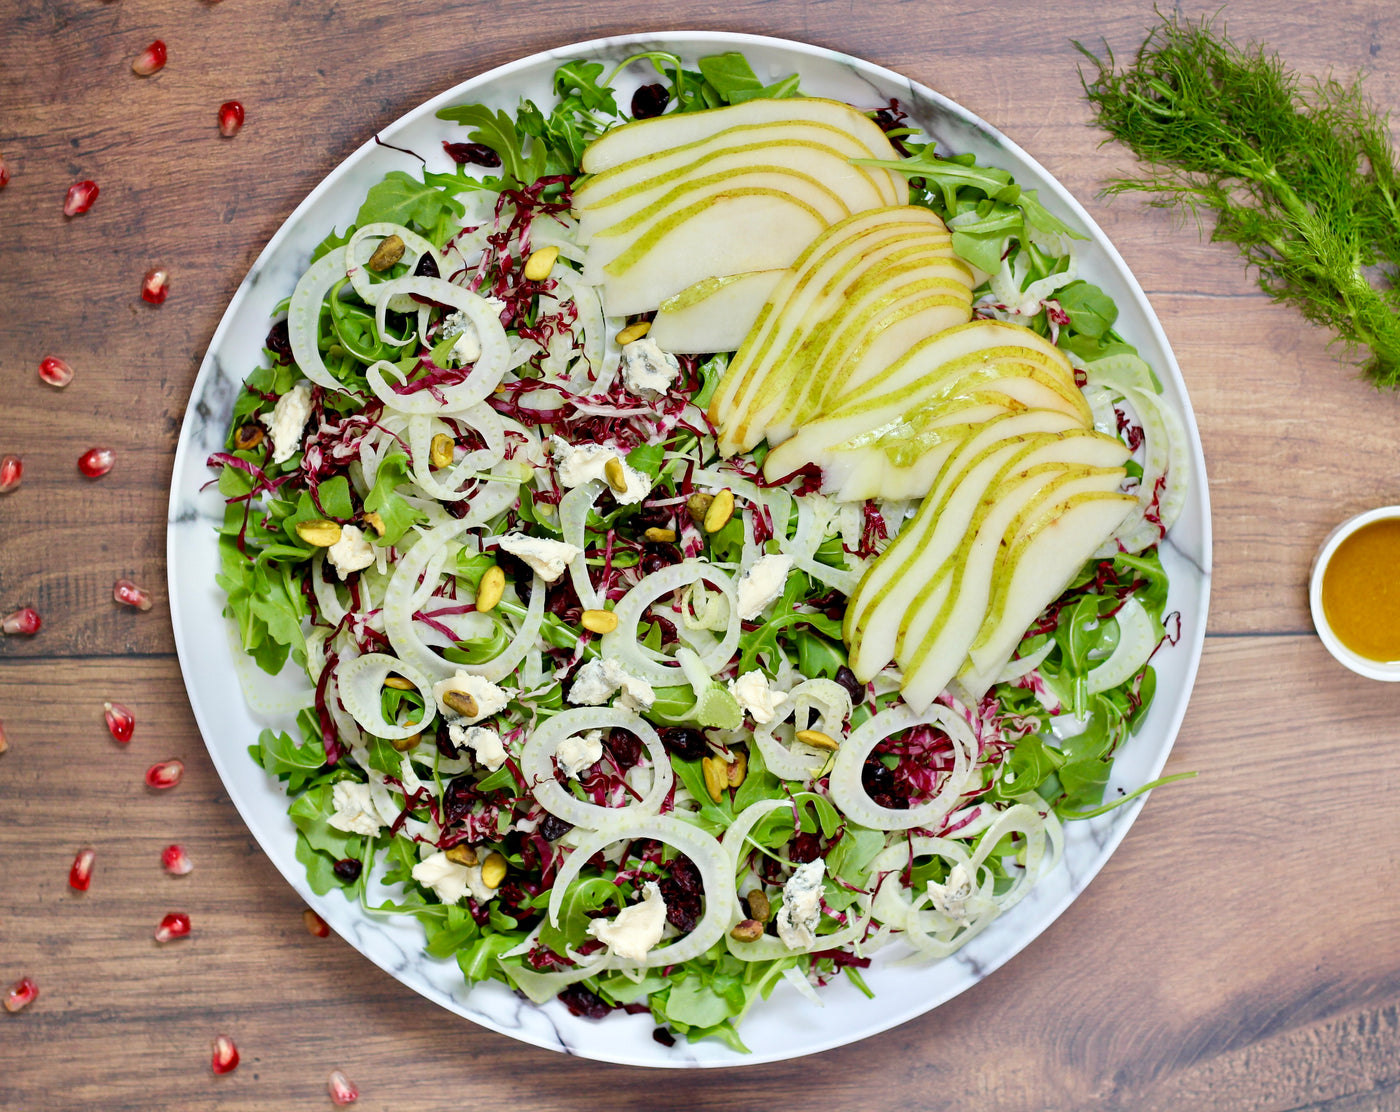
[11, 471]
[149, 61]
[80, 197]
[155, 287]
[55, 371]
[225, 1055]
[21, 994]
[315, 924]
[129, 594]
[165, 774]
[4, 173]
[120, 721]
[96, 462]
[230, 118]
[175, 925]
[80, 875]
[342, 1089]
[175, 860]
[25, 621]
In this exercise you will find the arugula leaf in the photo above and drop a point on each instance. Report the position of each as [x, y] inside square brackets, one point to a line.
[499, 132]
[393, 508]
[402, 199]
[734, 81]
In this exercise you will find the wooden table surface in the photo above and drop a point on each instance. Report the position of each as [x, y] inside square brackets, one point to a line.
[1240, 951]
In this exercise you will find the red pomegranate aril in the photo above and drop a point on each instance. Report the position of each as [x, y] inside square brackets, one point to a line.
[129, 594]
[96, 462]
[4, 173]
[149, 61]
[342, 1089]
[165, 774]
[175, 860]
[315, 924]
[25, 621]
[155, 287]
[225, 1058]
[55, 371]
[230, 118]
[80, 198]
[173, 926]
[80, 875]
[120, 721]
[21, 994]
[11, 472]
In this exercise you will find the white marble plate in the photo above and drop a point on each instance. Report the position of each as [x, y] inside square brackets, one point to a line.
[787, 1025]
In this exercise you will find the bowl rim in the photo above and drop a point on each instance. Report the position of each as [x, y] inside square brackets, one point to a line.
[1383, 670]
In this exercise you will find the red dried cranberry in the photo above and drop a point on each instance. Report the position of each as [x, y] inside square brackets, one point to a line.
[880, 786]
[804, 848]
[279, 342]
[681, 891]
[477, 153]
[580, 1001]
[854, 688]
[348, 869]
[683, 742]
[445, 746]
[552, 828]
[664, 1037]
[650, 100]
[654, 517]
[658, 556]
[427, 267]
[626, 747]
[457, 799]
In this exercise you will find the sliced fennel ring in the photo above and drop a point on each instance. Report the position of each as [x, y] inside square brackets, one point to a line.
[536, 765]
[705, 853]
[849, 793]
[623, 643]
[1137, 640]
[362, 683]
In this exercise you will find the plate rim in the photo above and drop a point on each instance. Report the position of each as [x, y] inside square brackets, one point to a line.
[1193, 644]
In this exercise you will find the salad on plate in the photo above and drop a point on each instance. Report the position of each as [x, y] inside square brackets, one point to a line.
[718, 533]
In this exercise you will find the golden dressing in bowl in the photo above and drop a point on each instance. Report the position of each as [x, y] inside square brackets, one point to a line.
[1361, 591]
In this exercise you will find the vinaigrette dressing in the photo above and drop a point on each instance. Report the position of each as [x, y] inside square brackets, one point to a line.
[1361, 591]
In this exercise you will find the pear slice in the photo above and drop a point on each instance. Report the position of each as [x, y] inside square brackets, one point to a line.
[1038, 567]
[728, 234]
[820, 164]
[714, 314]
[691, 158]
[661, 133]
[892, 583]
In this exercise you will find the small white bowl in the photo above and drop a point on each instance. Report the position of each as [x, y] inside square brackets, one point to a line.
[1388, 671]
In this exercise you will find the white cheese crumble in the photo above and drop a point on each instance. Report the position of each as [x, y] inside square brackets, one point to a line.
[802, 906]
[548, 558]
[646, 367]
[351, 553]
[950, 898]
[288, 419]
[578, 752]
[451, 881]
[597, 681]
[636, 929]
[576, 464]
[759, 701]
[467, 349]
[483, 741]
[490, 699]
[354, 809]
[761, 584]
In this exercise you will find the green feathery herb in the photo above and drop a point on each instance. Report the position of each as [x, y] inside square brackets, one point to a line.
[1300, 175]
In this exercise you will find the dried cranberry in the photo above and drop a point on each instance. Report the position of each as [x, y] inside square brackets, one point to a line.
[457, 799]
[279, 342]
[552, 828]
[804, 848]
[650, 100]
[477, 153]
[580, 1001]
[664, 1037]
[445, 746]
[681, 891]
[348, 869]
[626, 747]
[654, 517]
[427, 267]
[854, 688]
[658, 556]
[683, 742]
[561, 597]
[880, 786]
